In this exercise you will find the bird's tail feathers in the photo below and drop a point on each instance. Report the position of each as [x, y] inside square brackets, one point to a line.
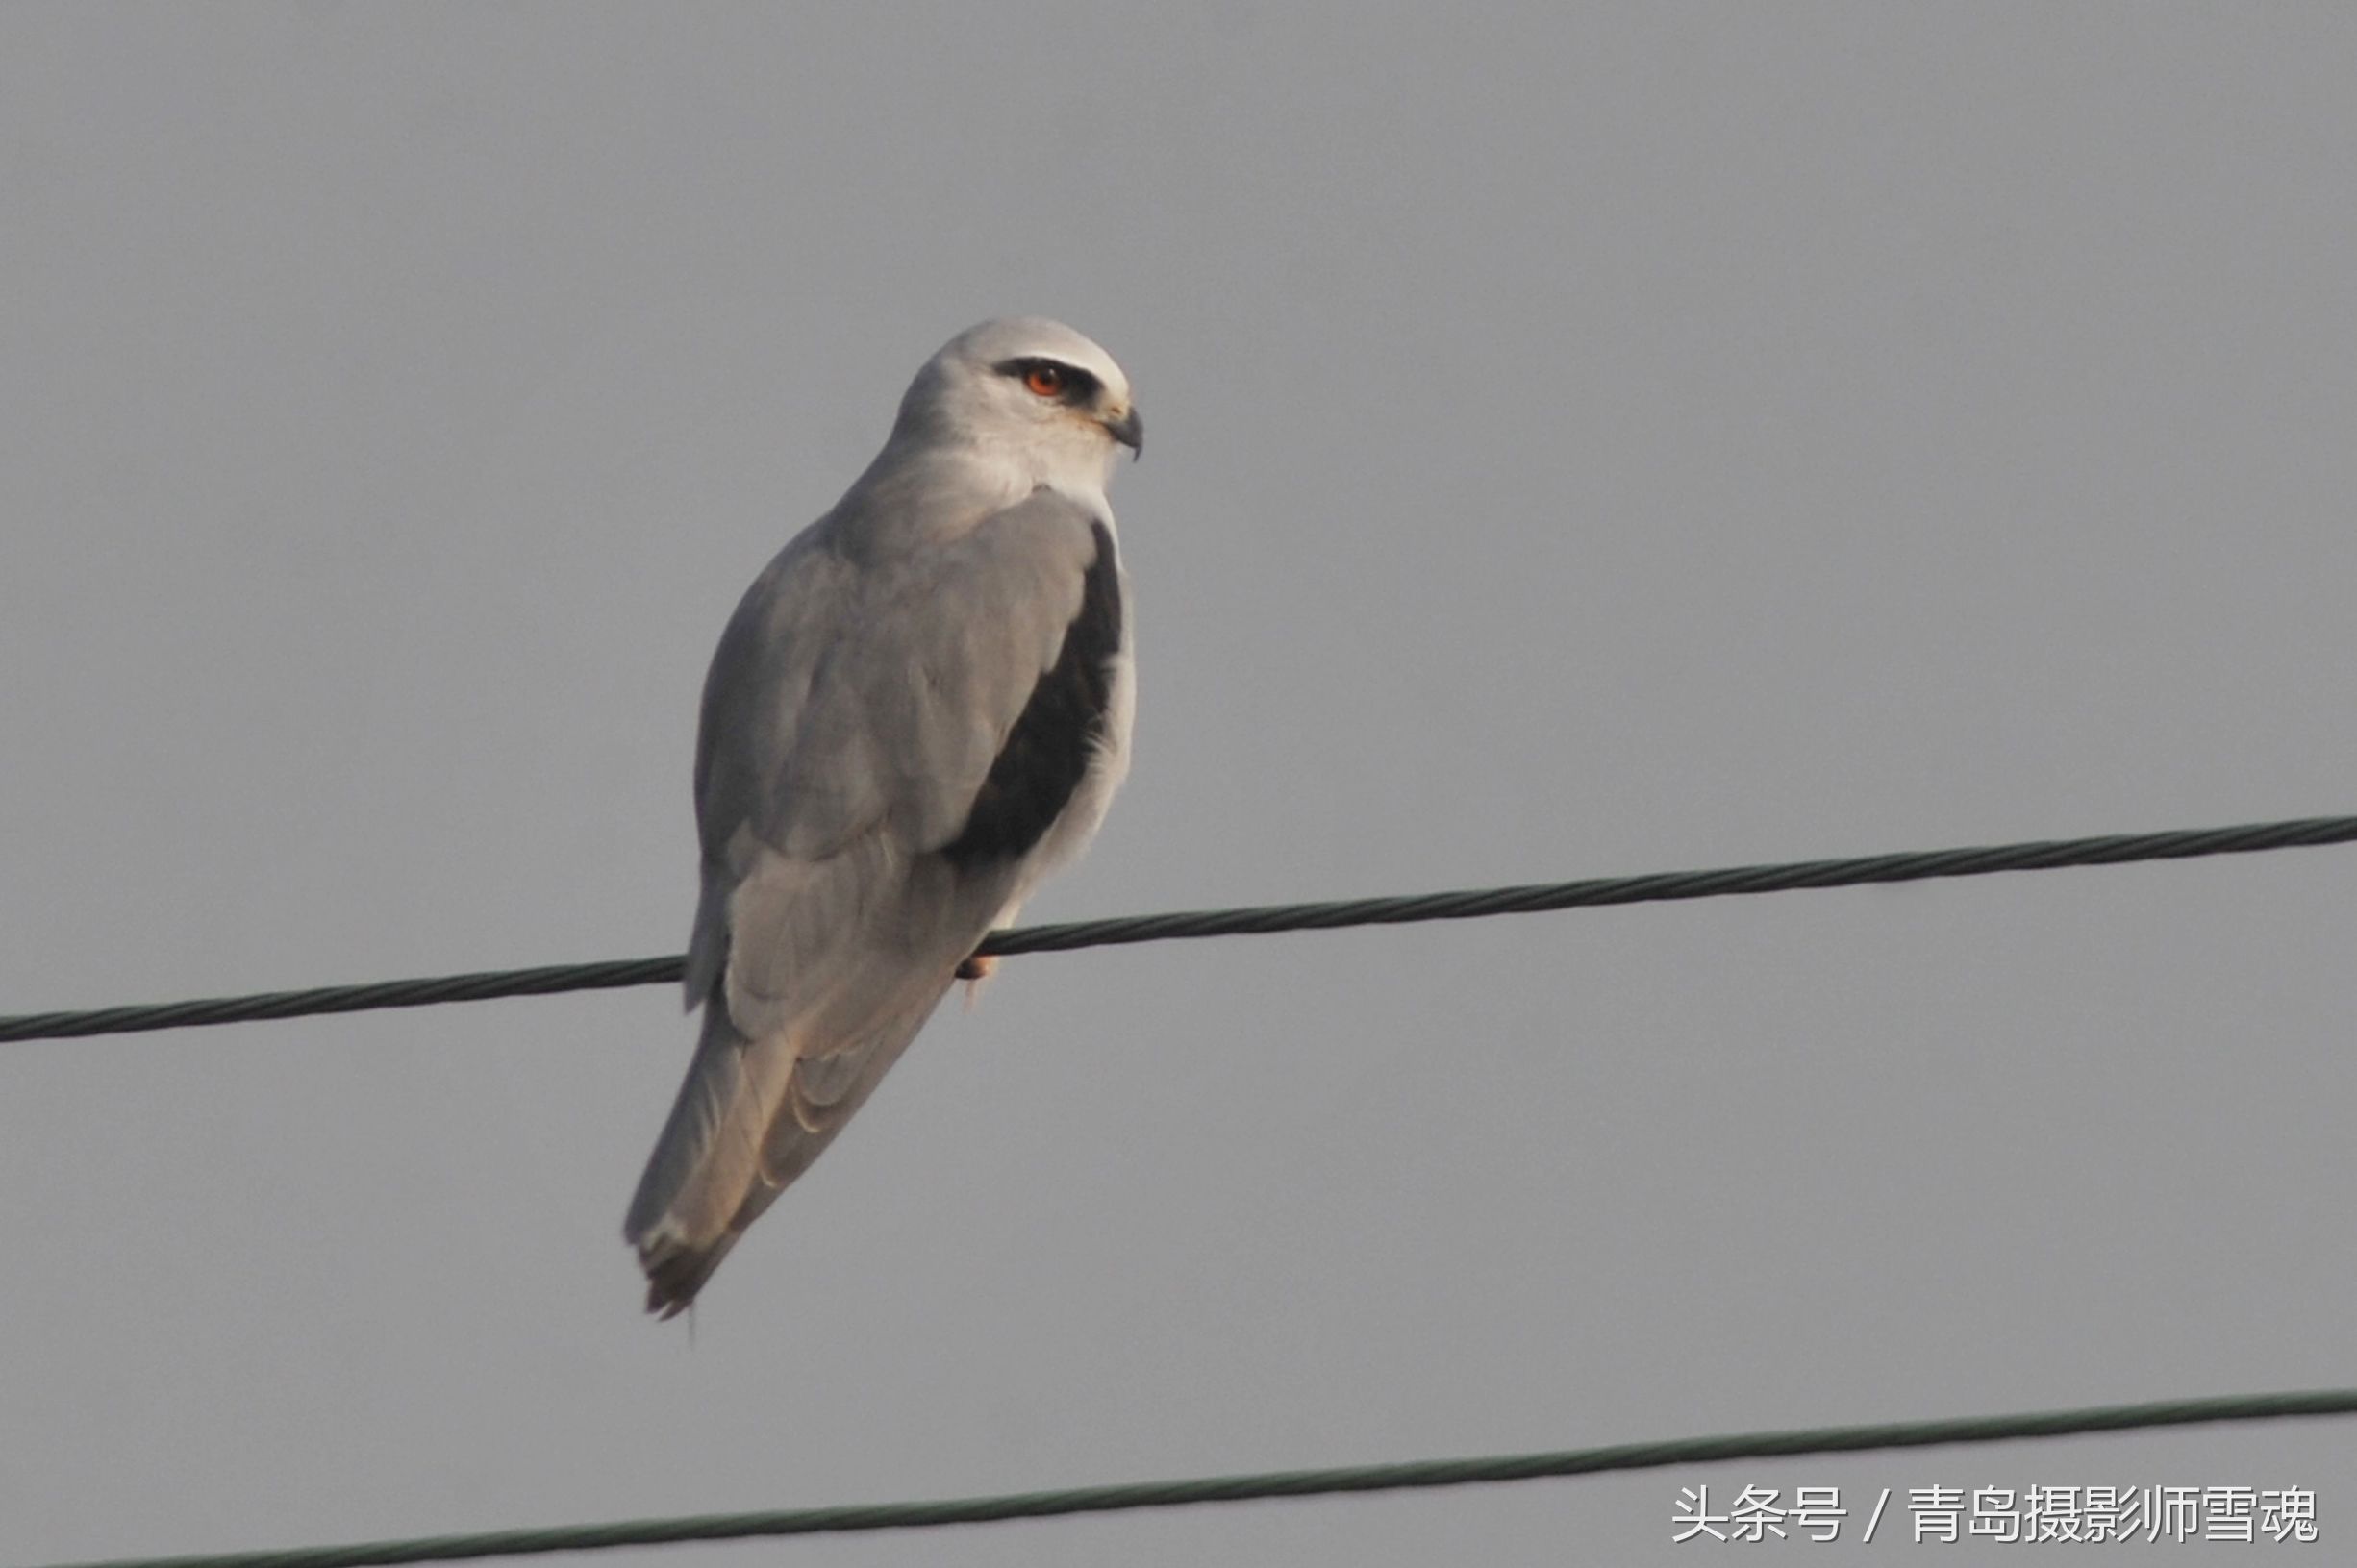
[703, 1184]
[749, 1119]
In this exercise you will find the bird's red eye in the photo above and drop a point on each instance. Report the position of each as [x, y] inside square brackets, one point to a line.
[1046, 380]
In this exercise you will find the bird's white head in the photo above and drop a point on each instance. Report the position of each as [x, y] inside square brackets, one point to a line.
[1031, 398]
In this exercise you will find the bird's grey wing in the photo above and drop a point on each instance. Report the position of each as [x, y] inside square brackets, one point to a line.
[864, 818]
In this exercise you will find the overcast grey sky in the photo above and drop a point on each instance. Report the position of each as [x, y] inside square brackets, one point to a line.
[1584, 441]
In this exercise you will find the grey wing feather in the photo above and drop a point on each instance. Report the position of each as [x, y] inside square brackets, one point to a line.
[853, 710]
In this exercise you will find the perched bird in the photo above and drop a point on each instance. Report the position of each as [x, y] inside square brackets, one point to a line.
[920, 707]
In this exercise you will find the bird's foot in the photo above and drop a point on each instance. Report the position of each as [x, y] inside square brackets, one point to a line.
[974, 971]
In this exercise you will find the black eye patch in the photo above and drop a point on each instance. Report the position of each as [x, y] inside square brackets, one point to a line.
[1073, 385]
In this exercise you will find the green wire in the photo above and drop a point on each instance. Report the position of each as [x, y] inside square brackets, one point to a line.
[1282, 1484]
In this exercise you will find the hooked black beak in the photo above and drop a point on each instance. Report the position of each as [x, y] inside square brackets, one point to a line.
[1130, 430]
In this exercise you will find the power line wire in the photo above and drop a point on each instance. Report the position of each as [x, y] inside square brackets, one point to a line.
[1282, 1484]
[2041, 855]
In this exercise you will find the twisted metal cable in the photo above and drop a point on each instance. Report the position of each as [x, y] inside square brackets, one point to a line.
[1282, 1484]
[2041, 855]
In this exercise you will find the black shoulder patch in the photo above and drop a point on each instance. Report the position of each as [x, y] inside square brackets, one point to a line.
[1033, 777]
